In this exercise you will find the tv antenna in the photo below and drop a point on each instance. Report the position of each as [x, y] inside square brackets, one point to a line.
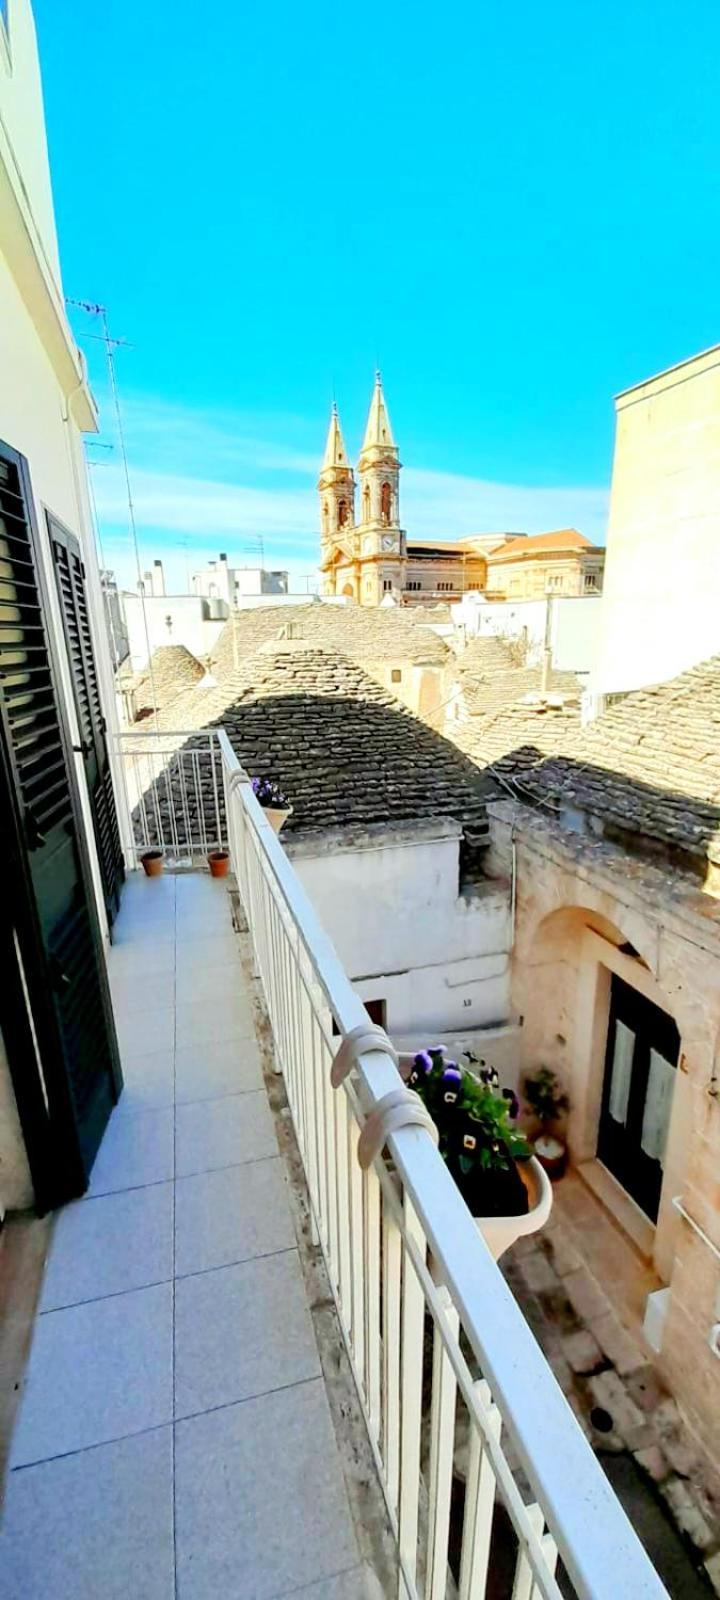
[94, 309]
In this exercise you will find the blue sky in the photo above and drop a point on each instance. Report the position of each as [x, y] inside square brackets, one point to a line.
[514, 208]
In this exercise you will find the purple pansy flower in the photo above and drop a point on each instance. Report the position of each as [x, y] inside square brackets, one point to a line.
[451, 1081]
[423, 1061]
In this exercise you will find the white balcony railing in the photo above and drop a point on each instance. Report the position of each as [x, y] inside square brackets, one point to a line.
[441, 1354]
[174, 790]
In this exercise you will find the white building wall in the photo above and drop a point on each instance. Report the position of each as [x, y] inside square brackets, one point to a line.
[662, 576]
[45, 405]
[391, 905]
[188, 625]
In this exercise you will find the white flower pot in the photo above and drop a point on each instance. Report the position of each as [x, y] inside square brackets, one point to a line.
[500, 1232]
[276, 817]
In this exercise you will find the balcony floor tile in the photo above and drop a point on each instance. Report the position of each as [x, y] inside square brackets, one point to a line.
[149, 1082]
[99, 1522]
[131, 992]
[109, 1245]
[357, 1584]
[218, 951]
[230, 1215]
[206, 1073]
[137, 1149]
[97, 1372]
[143, 1029]
[223, 1133]
[260, 1504]
[241, 1331]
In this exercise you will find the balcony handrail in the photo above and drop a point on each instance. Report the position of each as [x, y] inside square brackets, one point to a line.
[600, 1551]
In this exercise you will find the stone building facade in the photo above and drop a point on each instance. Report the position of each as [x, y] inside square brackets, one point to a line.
[660, 612]
[615, 977]
[560, 563]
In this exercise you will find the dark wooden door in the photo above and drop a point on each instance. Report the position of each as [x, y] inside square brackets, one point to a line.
[70, 575]
[643, 1046]
[56, 1010]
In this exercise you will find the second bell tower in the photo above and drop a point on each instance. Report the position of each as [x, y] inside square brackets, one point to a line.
[380, 537]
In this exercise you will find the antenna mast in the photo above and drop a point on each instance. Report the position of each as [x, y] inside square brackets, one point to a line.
[95, 310]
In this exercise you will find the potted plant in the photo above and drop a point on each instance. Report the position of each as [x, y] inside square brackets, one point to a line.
[218, 862]
[276, 806]
[548, 1104]
[491, 1161]
[152, 862]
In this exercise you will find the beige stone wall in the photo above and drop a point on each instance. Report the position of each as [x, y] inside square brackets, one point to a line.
[576, 901]
[533, 577]
[16, 1189]
[660, 611]
[452, 576]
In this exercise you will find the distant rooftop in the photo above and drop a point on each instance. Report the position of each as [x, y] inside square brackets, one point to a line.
[174, 671]
[366, 634]
[649, 767]
[538, 543]
[342, 748]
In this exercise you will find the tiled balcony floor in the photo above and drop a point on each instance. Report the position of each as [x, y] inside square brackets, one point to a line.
[174, 1436]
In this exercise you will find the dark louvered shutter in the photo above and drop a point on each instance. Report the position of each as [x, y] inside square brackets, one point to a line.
[70, 573]
[56, 1014]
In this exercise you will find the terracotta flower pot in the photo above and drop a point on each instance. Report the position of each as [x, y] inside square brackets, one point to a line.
[276, 817]
[152, 862]
[219, 862]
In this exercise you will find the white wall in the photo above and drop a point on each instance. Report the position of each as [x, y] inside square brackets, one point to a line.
[662, 577]
[189, 625]
[575, 630]
[24, 122]
[403, 933]
[44, 405]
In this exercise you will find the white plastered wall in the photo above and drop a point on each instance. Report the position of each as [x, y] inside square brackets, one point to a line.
[405, 934]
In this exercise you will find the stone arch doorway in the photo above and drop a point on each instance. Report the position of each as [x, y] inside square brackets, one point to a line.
[595, 1012]
[348, 591]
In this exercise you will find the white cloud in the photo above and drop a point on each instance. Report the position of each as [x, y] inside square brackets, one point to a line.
[205, 481]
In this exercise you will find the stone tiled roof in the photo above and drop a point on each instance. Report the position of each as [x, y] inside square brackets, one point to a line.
[648, 769]
[371, 634]
[514, 737]
[174, 671]
[342, 748]
[650, 766]
[492, 676]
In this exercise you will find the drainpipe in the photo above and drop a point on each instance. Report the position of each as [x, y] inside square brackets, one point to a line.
[513, 889]
[547, 647]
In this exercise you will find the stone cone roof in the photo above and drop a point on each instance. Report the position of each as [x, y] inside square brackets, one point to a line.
[649, 768]
[344, 751]
[174, 670]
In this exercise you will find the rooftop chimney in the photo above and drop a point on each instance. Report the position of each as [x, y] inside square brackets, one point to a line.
[158, 579]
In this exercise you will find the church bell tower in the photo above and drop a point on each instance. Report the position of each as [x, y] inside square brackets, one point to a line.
[381, 541]
[336, 486]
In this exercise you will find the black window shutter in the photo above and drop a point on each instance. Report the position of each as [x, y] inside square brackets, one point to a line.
[70, 574]
[55, 1008]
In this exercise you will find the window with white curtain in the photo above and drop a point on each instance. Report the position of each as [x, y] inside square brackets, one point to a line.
[621, 1073]
[658, 1104]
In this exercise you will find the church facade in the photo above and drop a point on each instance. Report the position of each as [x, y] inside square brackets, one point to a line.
[362, 560]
